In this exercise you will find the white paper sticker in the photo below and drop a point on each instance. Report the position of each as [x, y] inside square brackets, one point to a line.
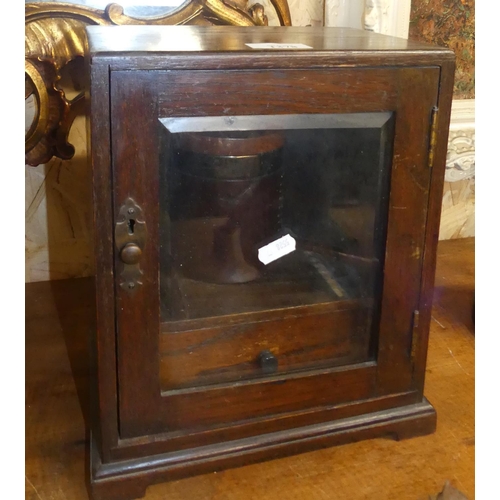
[281, 46]
[277, 249]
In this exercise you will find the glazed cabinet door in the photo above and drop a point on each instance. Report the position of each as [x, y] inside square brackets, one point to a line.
[269, 234]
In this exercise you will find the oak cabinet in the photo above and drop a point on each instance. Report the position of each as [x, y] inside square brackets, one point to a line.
[266, 209]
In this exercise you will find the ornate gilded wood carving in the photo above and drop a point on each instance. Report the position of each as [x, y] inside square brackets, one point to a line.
[55, 42]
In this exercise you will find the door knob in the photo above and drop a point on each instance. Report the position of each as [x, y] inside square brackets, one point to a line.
[130, 253]
[268, 361]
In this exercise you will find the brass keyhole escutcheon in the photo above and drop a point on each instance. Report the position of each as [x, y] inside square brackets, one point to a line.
[130, 254]
[130, 239]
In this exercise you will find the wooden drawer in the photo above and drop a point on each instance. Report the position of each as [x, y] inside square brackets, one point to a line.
[229, 349]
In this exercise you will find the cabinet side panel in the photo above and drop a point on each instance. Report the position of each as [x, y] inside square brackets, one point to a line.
[103, 360]
[134, 120]
[410, 184]
[433, 220]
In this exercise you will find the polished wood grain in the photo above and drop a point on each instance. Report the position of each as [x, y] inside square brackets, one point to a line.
[57, 411]
[437, 168]
[276, 92]
[226, 47]
[103, 358]
[135, 175]
[186, 39]
[227, 353]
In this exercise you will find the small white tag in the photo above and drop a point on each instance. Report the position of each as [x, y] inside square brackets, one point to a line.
[277, 249]
[282, 46]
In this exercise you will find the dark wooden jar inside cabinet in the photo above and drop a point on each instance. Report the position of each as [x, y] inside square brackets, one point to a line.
[267, 206]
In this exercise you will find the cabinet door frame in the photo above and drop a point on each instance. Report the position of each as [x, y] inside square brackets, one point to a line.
[138, 99]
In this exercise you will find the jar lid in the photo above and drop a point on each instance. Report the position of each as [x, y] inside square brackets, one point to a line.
[227, 167]
[231, 143]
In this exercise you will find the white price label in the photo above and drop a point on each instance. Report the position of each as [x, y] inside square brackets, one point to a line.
[280, 46]
[277, 249]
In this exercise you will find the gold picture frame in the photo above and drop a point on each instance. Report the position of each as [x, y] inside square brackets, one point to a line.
[55, 41]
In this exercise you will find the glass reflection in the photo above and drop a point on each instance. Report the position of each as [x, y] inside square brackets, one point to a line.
[272, 241]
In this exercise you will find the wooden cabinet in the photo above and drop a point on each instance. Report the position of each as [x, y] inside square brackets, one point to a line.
[266, 216]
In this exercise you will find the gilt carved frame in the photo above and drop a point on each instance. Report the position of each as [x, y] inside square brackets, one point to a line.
[55, 38]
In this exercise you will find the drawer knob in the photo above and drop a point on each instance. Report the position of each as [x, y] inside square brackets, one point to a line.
[268, 361]
[130, 253]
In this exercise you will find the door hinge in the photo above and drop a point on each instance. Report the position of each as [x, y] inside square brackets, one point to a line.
[433, 136]
[414, 335]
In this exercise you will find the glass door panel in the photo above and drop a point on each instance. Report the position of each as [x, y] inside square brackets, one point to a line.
[272, 241]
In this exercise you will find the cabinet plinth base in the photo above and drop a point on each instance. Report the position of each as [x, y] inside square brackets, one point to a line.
[128, 480]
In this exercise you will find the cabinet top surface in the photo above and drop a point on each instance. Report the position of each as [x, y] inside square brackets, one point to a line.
[161, 40]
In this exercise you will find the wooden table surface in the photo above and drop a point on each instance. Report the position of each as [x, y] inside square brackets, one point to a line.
[57, 325]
